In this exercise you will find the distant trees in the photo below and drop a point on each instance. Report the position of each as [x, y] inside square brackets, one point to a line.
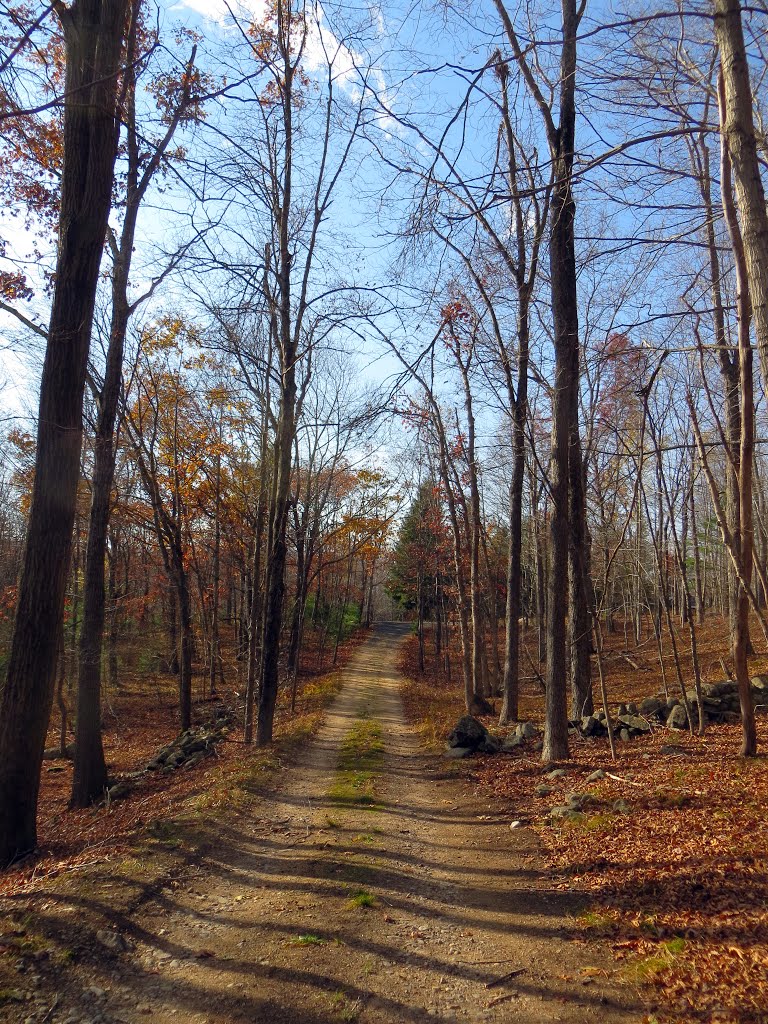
[417, 579]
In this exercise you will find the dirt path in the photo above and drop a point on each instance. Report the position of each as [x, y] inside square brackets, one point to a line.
[460, 904]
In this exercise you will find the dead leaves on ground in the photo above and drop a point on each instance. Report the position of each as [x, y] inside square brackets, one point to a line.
[679, 885]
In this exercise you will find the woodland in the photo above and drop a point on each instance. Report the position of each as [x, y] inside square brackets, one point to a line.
[320, 315]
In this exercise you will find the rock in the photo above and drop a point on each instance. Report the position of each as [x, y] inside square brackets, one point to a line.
[457, 753]
[511, 743]
[113, 940]
[54, 753]
[592, 726]
[515, 824]
[543, 790]
[635, 723]
[193, 744]
[673, 750]
[563, 812]
[759, 683]
[595, 776]
[622, 710]
[731, 717]
[632, 708]
[724, 688]
[624, 735]
[677, 718]
[651, 706]
[195, 759]
[120, 789]
[526, 731]
[621, 807]
[578, 801]
[480, 706]
[490, 745]
[712, 704]
[556, 773]
[468, 732]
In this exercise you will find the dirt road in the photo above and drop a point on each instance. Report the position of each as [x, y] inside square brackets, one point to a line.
[271, 928]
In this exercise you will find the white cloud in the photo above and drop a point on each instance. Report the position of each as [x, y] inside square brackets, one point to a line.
[219, 11]
[322, 47]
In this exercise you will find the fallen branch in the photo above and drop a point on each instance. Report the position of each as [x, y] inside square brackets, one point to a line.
[629, 782]
[629, 661]
[505, 977]
[501, 999]
[478, 963]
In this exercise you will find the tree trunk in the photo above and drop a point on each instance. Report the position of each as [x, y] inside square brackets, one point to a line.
[579, 619]
[113, 674]
[743, 455]
[90, 773]
[181, 581]
[214, 666]
[511, 686]
[737, 127]
[93, 33]
[565, 394]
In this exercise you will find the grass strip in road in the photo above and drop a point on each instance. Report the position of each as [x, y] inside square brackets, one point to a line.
[361, 761]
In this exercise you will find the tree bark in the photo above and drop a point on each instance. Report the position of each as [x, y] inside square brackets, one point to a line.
[579, 580]
[737, 127]
[743, 455]
[565, 396]
[93, 33]
[511, 685]
[286, 430]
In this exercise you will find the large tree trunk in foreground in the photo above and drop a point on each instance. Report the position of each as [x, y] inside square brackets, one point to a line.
[737, 127]
[742, 456]
[93, 30]
[284, 439]
[565, 396]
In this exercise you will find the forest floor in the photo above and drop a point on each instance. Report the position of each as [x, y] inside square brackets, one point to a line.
[368, 883]
[671, 855]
